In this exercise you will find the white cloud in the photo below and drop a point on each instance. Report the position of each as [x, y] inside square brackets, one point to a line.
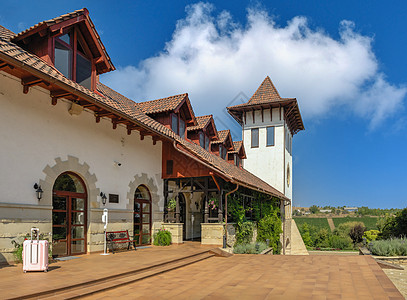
[213, 59]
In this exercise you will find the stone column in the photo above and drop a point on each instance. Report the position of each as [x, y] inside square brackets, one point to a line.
[220, 208]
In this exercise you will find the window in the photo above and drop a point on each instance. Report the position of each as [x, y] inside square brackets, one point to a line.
[237, 160]
[181, 128]
[222, 151]
[201, 139]
[68, 47]
[255, 137]
[174, 123]
[206, 143]
[270, 136]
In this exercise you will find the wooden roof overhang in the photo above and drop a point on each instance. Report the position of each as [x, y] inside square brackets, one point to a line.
[57, 26]
[59, 89]
[209, 127]
[292, 112]
[227, 141]
[186, 107]
[240, 151]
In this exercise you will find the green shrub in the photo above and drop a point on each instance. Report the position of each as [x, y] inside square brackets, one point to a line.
[244, 232]
[253, 248]
[371, 235]
[344, 229]
[162, 238]
[322, 238]
[269, 228]
[340, 242]
[391, 247]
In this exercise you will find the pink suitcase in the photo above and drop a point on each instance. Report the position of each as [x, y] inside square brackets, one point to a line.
[35, 253]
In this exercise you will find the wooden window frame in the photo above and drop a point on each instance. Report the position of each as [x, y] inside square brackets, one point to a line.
[267, 136]
[258, 138]
[75, 36]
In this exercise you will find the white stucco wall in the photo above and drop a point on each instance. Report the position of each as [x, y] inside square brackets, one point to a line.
[266, 162]
[35, 135]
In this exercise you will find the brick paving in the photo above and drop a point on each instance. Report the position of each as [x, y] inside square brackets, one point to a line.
[267, 277]
[236, 277]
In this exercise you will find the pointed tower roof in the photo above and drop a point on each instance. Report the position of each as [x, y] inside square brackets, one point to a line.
[267, 97]
[266, 93]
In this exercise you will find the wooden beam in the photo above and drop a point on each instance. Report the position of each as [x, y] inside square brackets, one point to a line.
[244, 117]
[66, 23]
[5, 65]
[254, 121]
[155, 139]
[27, 82]
[279, 107]
[262, 115]
[271, 113]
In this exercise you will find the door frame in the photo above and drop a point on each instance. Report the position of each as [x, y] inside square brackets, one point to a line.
[69, 196]
[143, 201]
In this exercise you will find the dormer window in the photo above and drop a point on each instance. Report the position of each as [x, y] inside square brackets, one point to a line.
[73, 59]
[178, 125]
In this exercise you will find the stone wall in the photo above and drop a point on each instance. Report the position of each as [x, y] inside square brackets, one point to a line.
[176, 231]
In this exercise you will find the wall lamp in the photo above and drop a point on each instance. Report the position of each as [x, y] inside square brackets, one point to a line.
[38, 191]
[197, 205]
[104, 198]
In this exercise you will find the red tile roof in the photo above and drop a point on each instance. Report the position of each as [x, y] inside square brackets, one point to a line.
[162, 105]
[223, 135]
[237, 145]
[202, 121]
[6, 33]
[123, 107]
[62, 18]
[266, 97]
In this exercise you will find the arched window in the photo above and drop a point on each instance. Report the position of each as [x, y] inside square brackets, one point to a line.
[142, 216]
[69, 215]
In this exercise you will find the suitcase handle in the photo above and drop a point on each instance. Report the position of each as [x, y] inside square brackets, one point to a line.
[37, 232]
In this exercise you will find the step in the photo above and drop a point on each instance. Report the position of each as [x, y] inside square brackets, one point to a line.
[114, 281]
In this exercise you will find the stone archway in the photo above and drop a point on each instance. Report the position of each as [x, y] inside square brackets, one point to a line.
[72, 164]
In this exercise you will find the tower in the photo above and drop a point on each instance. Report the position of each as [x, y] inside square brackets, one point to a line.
[269, 123]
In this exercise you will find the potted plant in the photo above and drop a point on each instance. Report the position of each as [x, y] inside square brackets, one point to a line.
[213, 203]
[172, 204]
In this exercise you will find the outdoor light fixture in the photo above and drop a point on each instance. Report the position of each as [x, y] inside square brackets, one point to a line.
[38, 190]
[103, 196]
[197, 205]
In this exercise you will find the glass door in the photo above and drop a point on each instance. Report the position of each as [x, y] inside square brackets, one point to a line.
[142, 216]
[69, 213]
[142, 222]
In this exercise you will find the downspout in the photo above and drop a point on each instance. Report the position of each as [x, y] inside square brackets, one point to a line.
[225, 236]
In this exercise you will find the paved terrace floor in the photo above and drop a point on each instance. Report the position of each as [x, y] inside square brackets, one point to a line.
[236, 277]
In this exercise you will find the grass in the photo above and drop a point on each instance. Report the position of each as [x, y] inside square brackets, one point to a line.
[370, 222]
[317, 222]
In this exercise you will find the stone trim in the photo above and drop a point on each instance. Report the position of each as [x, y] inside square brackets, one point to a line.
[72, 164]
[28, 206]
[150, 184]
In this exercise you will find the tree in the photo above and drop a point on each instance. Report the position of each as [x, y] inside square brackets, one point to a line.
[356, 233]
[314, 209]
[395, 226]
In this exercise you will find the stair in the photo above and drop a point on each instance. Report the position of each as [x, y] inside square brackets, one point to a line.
[297, 244]
[103, 284]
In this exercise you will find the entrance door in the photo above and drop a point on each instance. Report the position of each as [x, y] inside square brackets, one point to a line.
[142, 216]
[69, 216]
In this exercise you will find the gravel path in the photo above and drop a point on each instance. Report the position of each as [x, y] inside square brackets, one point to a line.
[399, 278]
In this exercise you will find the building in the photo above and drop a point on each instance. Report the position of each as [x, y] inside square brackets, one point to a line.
[69, 140]
[269, 123]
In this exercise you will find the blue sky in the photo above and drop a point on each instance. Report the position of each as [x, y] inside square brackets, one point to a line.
[343, 60]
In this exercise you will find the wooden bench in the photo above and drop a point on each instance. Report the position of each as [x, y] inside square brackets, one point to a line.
[119, 237]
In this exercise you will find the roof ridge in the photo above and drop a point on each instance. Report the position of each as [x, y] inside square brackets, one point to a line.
[165, 98]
